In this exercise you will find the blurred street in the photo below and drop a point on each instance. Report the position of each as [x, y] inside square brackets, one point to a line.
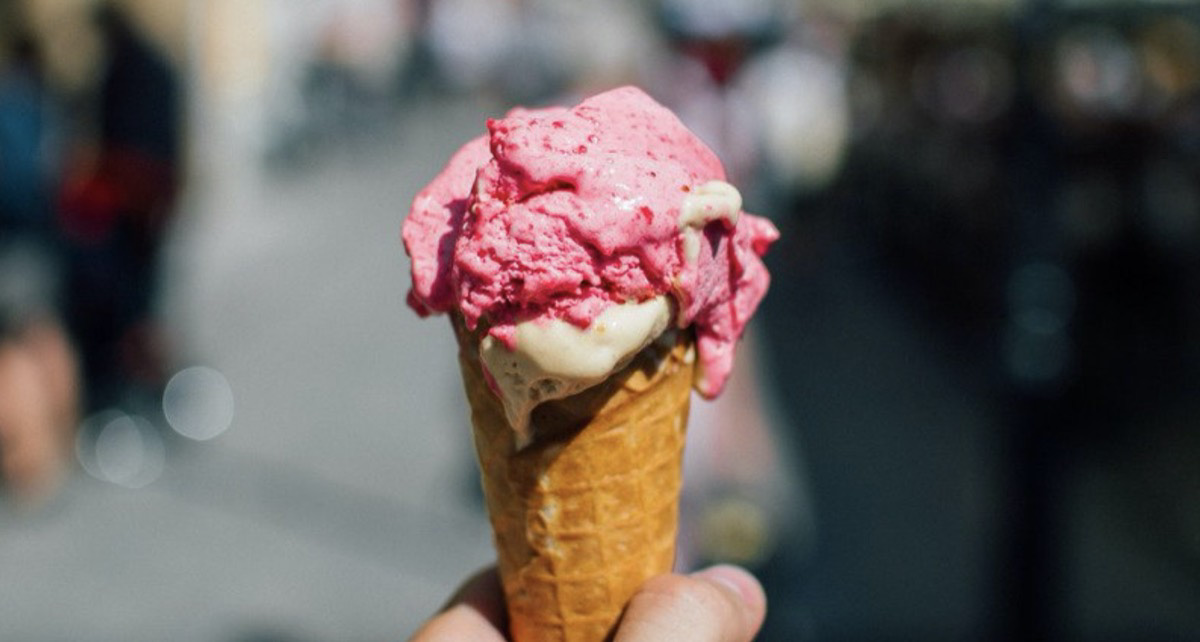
[336, 504]
[965, 410]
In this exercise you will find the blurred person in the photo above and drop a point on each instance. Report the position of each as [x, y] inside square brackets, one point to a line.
[115, 205]
[722, 603]
[709, 44]
[744, 495]
[37, 366]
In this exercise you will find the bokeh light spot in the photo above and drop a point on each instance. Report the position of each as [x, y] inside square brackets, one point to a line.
[198, 403]
[121, 449]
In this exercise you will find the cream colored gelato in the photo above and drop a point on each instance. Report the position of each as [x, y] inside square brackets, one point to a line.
[553, 359]
[709, 202]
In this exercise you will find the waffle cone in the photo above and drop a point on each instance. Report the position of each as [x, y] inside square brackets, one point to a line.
[588, 511]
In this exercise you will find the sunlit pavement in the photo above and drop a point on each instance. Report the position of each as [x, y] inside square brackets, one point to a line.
[328, 496]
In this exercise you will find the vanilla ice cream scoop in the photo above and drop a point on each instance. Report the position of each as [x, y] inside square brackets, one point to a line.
[553, 359]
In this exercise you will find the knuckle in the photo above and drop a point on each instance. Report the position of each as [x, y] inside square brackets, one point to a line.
[677, 607]
[689, 597]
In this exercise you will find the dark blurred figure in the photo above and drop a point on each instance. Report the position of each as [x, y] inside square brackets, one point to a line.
[24, 184]
[38, 388]
[116, 203]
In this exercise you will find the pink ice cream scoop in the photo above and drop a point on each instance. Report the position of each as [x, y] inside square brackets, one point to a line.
[560, 214]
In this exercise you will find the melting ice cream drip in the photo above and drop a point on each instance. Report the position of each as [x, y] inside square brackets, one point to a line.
[711, 201]
[554, 359]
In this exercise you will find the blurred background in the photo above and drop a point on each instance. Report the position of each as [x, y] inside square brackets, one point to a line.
[967, 410]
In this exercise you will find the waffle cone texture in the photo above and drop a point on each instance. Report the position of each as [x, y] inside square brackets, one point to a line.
[587, 512]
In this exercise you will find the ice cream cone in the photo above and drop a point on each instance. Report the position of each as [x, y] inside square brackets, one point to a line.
[568, 238]
[587, 512]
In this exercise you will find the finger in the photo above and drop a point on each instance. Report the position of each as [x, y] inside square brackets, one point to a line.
[474, 614]
[720, 604]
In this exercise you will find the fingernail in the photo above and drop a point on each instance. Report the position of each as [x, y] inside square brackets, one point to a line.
[742, 582]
